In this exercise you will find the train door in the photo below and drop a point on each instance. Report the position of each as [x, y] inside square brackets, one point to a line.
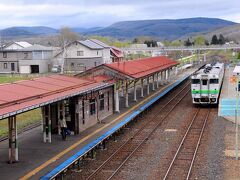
[204, 90]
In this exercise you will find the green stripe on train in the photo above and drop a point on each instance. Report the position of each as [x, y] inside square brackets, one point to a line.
[205, 91]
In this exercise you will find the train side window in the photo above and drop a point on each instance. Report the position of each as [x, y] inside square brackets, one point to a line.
[213, 81]
[204, 82]
[195, 81]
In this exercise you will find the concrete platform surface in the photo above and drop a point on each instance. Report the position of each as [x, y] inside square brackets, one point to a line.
[36, 158]
[228, 98]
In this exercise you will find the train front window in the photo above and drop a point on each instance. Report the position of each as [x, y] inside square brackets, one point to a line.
[195, 81]
[213, 81]
[204, 82]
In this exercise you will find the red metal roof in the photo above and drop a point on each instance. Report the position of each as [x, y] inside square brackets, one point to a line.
[26, 95]
[143, 67]
[117, 52]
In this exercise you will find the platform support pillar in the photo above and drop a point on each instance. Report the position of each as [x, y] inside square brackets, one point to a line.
[153, 82]
[135, 91]
[126, 96]
[142, 87]
[47, 134]
[148, 88]
[157, 80]
[176, 70]
[166, 76]
[117, 101]
[161, 78]
[13, 140]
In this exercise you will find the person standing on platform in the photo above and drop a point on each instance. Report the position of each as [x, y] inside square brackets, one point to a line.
[63, 125]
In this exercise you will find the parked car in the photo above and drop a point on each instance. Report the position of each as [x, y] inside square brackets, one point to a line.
[56, 68]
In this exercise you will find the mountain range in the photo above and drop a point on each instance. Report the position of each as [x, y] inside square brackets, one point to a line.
[168, 29]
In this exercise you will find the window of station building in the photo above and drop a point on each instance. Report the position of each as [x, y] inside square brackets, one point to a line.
[5, 66]
[101, 102]
[195, 81]
[213, 81]
[97, 52]
[80, 53]
[72, 64]
[92, 106]
[4, 54]
[204, 82]
[25, 55]
[95, 63]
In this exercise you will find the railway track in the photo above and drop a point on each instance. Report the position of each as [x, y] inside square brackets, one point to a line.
[183, 160]
[113, 164]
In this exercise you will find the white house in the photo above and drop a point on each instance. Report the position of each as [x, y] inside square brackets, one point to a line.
[17, 45]
[82, 55]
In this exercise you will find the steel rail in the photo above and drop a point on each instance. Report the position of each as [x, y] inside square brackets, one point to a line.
[132, 137]
[182, 142]
[197, 147]
[146, 138]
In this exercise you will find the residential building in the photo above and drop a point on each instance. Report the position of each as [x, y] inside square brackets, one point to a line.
[32, 59]
[116, 54]
[79, 56]
[17, 45]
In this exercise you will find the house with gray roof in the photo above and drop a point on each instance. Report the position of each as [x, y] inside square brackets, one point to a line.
[31, 59]
[79, 56]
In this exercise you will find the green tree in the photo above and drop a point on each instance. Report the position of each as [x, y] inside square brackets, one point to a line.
[188, 42]
[214, 40]
[238, 55]
[199, 41]
[151, 43]
[221, 39]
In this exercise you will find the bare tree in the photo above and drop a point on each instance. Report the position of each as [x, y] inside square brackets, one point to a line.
[66, 36]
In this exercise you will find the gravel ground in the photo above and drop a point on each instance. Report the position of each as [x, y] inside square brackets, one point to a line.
[152, 160]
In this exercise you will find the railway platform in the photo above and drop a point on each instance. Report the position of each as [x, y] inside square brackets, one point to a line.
[38, 158]
[228, 98]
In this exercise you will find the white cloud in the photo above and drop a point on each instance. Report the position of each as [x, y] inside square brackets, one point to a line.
[78, 13]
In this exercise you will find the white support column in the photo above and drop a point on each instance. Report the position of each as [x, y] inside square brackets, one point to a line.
[47, 134]
[157, 80]
[13, 140]
[166, 76]
[117, 101]
[142, 87]
[176, 70]
[153, 82]
[135, 91]
[148, 88]
[126, 96]
[162, 78]
[205, 59]
[44, 124]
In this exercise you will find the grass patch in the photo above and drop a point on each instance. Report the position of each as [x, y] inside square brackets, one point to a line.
[14, 78]
[23, 120]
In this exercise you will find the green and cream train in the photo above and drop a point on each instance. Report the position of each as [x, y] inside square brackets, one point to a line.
[206, 84]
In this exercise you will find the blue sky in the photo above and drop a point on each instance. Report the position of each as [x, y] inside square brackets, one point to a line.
[92, 13]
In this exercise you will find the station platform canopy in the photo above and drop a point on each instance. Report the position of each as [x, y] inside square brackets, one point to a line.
[26, 95]
[133, 69]
[143, 67]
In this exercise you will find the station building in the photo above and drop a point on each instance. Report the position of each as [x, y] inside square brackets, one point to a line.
[84, 99]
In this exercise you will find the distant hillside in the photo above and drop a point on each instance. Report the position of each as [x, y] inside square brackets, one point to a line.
[27, 31]
[163, 29]
[231, 32]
